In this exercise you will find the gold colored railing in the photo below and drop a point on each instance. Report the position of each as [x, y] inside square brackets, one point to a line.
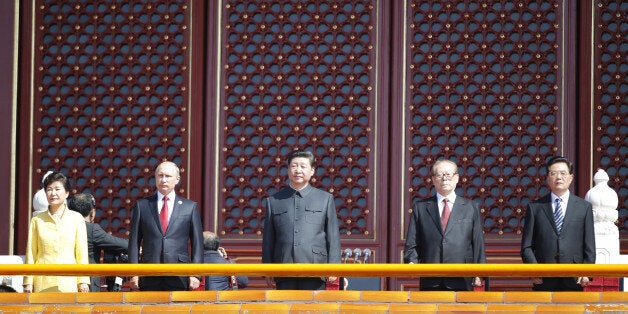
[347, 270]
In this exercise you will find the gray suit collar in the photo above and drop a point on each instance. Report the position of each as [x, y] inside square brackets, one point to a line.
[304, 191]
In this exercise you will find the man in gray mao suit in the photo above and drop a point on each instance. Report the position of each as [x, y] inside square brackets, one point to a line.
[168, 229]
[445, 228]
[301, 225]
[558, 229]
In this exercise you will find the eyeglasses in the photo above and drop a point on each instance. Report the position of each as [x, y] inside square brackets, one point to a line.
[561, 174]
[445, 175]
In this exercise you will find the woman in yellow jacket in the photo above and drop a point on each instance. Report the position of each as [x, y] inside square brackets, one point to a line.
[57, 236]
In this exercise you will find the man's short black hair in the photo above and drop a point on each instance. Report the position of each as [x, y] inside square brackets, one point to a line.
[5, 288]
[211, 241]
[303, 154]
[82, 203]
[559, 159]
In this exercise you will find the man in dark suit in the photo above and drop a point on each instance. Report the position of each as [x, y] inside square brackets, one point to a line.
[301, 225]
[215, 254]
[97, 238]
[559, 229]
[168, 229]
[445, 228]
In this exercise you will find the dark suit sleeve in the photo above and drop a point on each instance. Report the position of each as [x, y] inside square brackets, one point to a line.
[332, 233]
[135, 235]
[196, 236]
[268, 239]
[103, 240]
[589, 236]
[410, 254]
[243, 281]
[527, 239]
[479, 253]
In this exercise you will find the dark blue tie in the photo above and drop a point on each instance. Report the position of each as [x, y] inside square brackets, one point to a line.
[559, 215]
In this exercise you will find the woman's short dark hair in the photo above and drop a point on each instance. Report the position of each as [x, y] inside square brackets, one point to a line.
[302, 154]
[57, 176]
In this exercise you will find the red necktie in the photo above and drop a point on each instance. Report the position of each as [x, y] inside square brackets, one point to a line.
[444, 217]
[163, 215]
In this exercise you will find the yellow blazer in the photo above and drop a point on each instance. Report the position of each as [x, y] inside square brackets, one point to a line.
[52, 242]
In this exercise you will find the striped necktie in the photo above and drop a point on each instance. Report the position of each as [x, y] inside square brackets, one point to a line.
[559, 214]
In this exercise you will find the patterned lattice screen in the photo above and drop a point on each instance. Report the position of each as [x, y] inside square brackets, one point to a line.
[483, 82]
[611, 98]
[297, 75]
[111, 97]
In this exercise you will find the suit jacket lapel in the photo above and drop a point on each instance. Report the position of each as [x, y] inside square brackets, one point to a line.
[175, 211]
[154, 211]
[572, 204]
[549, 212]
[432, 210]
[456, 210]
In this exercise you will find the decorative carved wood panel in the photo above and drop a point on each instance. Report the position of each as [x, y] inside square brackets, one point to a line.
[298, 75]
[484, 90]
[111, 97]
[610, 139]
[481, 82]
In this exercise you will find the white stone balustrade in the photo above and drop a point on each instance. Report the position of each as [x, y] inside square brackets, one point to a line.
[605, 202]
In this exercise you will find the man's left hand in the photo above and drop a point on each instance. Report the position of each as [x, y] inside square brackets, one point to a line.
[477, 282]
[583, 281]
[194, 283]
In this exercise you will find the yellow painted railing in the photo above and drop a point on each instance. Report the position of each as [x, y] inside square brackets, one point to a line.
[299, 270]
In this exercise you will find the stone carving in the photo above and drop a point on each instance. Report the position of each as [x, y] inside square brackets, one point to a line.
[604, 201]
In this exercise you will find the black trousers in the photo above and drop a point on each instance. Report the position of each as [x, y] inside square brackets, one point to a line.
[558, 284]
[300, 283]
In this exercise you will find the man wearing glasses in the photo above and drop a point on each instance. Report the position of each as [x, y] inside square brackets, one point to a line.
[559, 229]
[445, 228]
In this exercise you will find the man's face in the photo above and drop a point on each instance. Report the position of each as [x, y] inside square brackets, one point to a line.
[300, 172]
[558, 178]
[166, 178]
[445, 178]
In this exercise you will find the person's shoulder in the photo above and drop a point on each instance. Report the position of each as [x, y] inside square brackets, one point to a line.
[579, 201]
[466, 201]
[184, 201]
[40, 218]
[547, 198]
[540, 202]
[425, 201]
[95, 226]
[213, 257]
[463, 199]
[75, 215]
[152, 197]
[145, 200]
[320, 193]
[41, 215]
[283, 193]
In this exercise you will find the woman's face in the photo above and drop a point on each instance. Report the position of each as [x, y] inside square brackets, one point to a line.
[56, 193]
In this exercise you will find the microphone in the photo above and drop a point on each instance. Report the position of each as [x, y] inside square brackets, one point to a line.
[367, 254]
[347, 254]
[356, 253]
